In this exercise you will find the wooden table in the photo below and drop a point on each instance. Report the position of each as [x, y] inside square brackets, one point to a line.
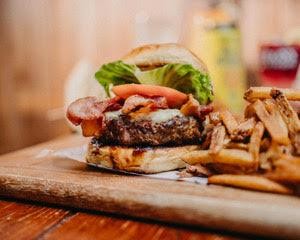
[72, 184]
[24, 220]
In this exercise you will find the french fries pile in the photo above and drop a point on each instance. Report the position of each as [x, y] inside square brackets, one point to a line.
[259, 152]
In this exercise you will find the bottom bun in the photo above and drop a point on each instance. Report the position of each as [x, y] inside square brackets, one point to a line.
[139, 159]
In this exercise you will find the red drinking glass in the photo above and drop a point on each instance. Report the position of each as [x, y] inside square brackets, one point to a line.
[279, 64]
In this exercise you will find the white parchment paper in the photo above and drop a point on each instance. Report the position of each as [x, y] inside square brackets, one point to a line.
[78, 154]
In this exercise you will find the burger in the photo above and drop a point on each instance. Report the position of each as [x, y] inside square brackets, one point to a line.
[157, 100]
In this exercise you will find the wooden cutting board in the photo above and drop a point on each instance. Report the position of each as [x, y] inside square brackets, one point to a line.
[72, 183]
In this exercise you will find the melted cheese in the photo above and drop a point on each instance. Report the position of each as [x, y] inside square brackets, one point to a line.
[158, 116]
[163, 115]
[112, 115]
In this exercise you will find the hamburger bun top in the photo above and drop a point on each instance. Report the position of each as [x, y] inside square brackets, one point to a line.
[156, 55]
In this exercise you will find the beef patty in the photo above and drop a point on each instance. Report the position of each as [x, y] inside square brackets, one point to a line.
[175, 131]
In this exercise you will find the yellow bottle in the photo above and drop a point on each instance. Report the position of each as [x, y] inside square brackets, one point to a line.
[217, 40]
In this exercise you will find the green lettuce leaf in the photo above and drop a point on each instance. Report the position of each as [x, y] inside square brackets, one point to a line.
[116, 73]
[182, 77]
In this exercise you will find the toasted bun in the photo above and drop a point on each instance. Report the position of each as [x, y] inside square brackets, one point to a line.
[156, 55]
[141, 160]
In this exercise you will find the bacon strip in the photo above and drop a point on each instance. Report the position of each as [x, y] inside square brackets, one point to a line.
[89, 108]
[204, 110]
[135, 102]
[89, 112]
[193, 108]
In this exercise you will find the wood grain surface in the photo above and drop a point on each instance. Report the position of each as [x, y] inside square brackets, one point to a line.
[31, 221]
[71, 183]
[90, 226]
[24, 221]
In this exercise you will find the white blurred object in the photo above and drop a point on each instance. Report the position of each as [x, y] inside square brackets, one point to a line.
[149, 30]
[158, 26]
[81, 83]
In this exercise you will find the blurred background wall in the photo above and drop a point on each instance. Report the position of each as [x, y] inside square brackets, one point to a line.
[41, 41]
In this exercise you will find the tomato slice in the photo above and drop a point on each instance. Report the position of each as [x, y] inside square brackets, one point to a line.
[174, 97]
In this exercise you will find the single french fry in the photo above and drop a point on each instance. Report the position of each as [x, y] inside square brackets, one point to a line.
[249, 182]
[234, 156]
[228, 120]
[286, 169]
[217, 139]
[226, 156]
[255, 140]
[273, 123]
[287, 112]
[236, 145]
[206, 133]
[276, 116]
[249, 111]
[243, 130]
[289, 116]
[254, 93]
[223, 168]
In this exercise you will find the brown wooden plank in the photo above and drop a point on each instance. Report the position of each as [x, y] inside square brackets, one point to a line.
[71, 183]
[26, 221]
[90, 226]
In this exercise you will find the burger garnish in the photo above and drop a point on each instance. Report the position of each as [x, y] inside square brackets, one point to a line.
[180, 76]
[139, 120]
